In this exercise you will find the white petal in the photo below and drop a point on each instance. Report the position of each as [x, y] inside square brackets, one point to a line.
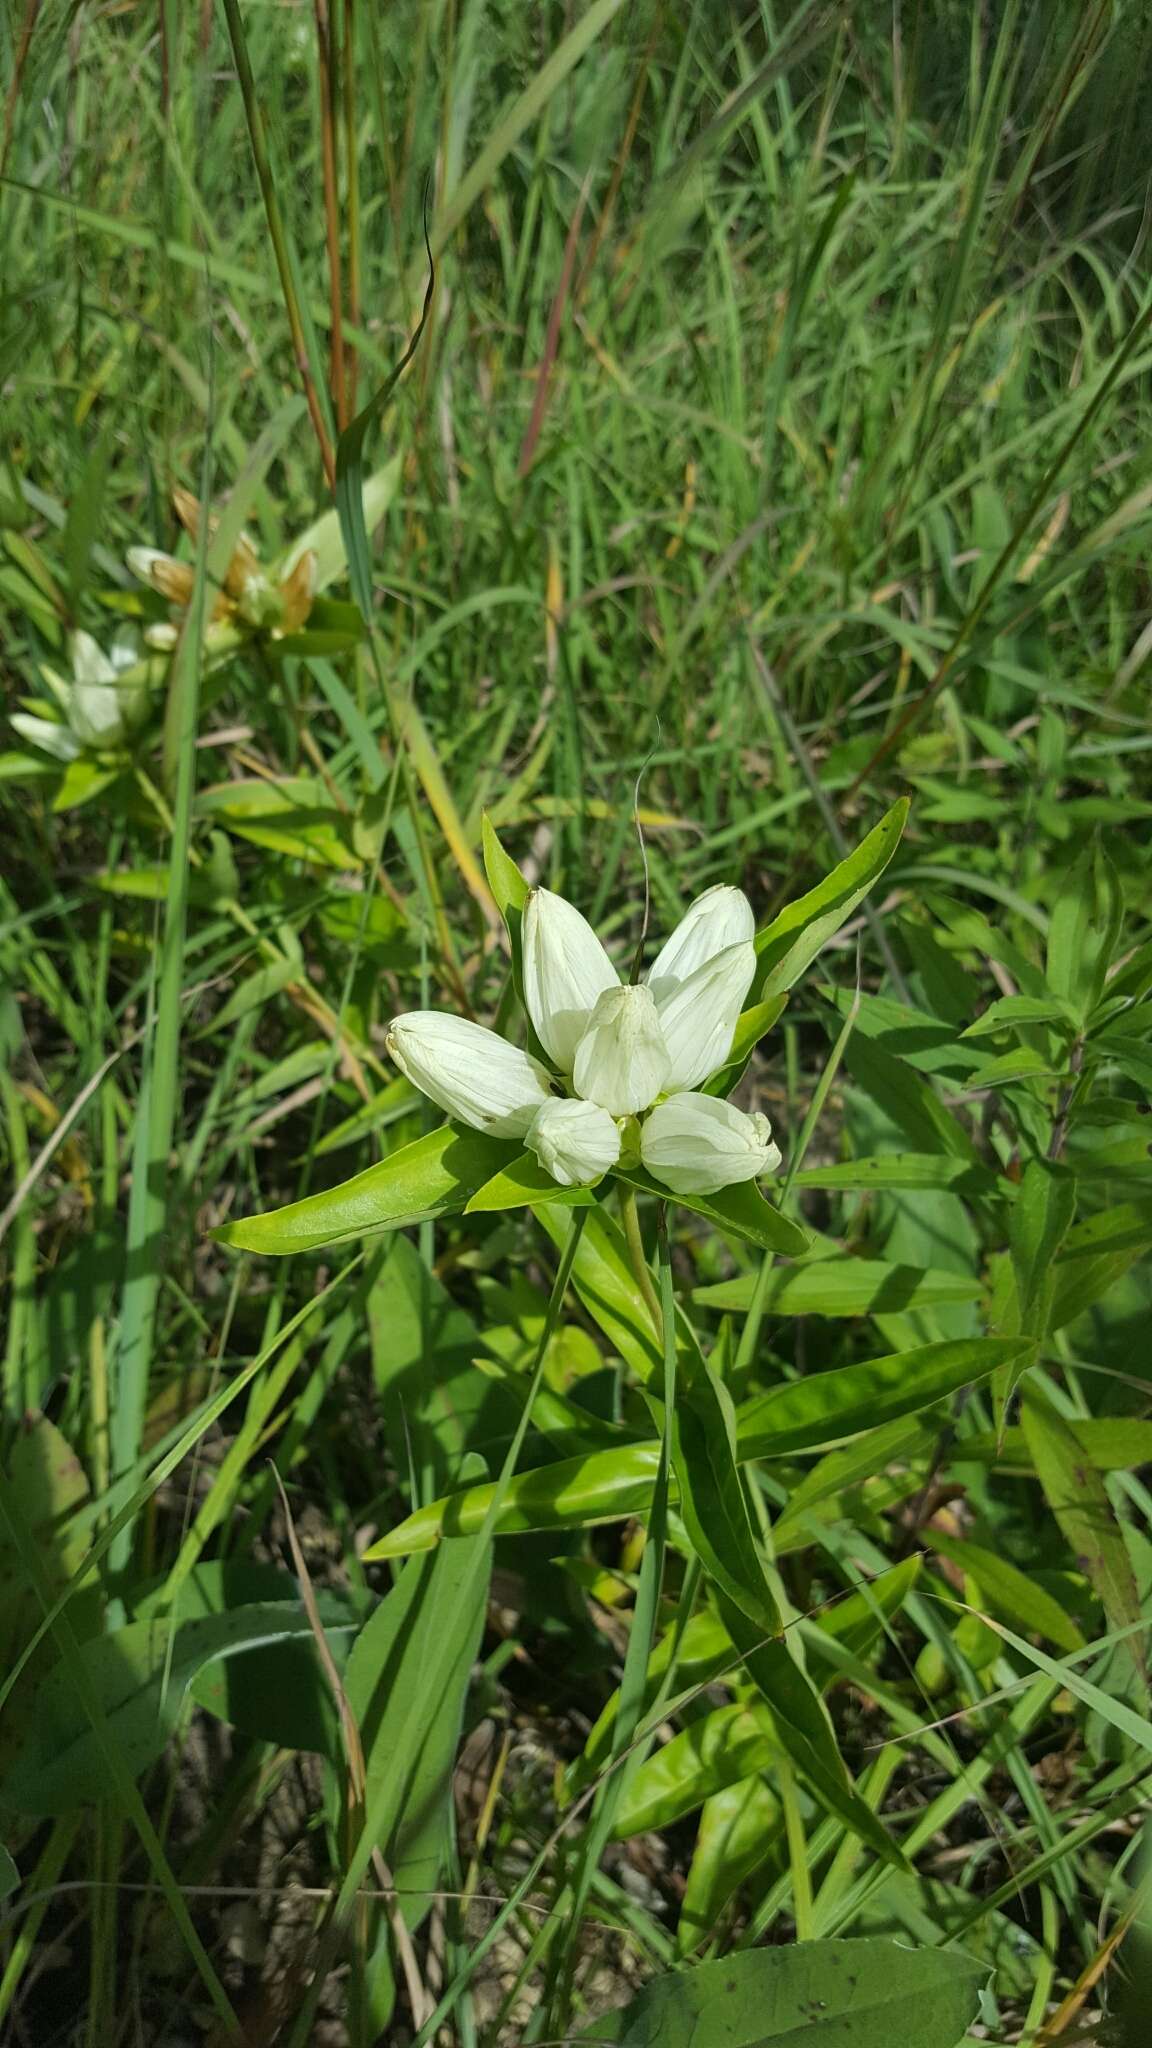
[720, 918]
[90, 664]
[699, 1018]
[124, 650]
[698, 1144]
[565, 970]
[96, 714]
[622, 1061]
[469, 1071]
[576, 1142]
[47, 735]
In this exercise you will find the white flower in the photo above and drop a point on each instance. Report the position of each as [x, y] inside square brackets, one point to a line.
[576, 1142]
[619, 1047]
[103, 704]
[622, 1061]
[699, 1016]
[470, 1072]
[566, 970]
[720, 918]
[697, 985]
[698, 1144]
[103, 709]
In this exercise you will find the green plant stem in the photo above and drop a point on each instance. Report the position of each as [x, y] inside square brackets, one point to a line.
[641, 1641]
[630, 1219]
[40, 1883]
[798, 1851]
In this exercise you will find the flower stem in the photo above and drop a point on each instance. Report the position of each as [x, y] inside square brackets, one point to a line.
[630, 1218]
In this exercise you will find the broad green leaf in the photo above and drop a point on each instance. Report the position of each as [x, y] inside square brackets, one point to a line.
[908, 1100]
[1076, 1493]
[140, 1675]
[277, 1692]
[791, 942]
[520, 1185]
[803, 1728]
[830, 1994]
[738, 1830]
[44, 1487]
[1127, 1226]
[434, 1403]
[703, 1650]
[913, 1170]
[1011, 1592]
[325, 537]
[1078, 1283]
[827, 1406]
[727, 1745]
[383, 1671]
[860, 1617]
[292, 815]
[1008, 1068]
[255, 991]
[850, 1465]
[607, 1486]
[434, 1176]
[1011, 1011]
[1111, 1444]
[1037, 1225]
[928, 1043]
[1082, 932]
[841, 1287]
[712, 1504]
[604, 1281]
[740, 1211]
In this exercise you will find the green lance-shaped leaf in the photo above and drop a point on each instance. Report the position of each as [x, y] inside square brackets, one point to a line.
[841, 1287]
[803, 1728]
[434, 1176]
[603, 1487]
[139, 1675]
[1010, 1592]
[832, 1994]
[805, 1415]
[703, 1650]
[712, 1503]
[725, 1746]
[740, 1211]
[791, 942]
[603, 1278]
[738, 1830]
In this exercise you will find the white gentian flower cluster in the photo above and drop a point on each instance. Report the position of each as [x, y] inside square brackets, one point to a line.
[103, 704]
[628, 1058]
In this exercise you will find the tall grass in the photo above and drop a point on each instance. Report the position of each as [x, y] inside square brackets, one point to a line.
[781, 422]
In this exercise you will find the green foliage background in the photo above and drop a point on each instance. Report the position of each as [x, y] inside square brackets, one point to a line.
[775, 449]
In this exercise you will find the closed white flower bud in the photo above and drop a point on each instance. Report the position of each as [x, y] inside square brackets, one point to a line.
[565, 970]
[622, 1061]
[576, 1142]
[720, 918]
[470, 1072]
[699, 1018]
[698, 1144]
